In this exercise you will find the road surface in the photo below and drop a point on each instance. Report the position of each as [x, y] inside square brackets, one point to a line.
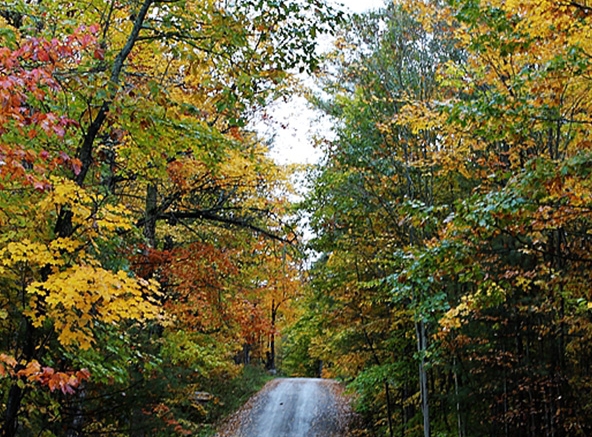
[297, 407]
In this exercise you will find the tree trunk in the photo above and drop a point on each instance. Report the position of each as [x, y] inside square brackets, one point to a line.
[403, 410]
[85, 153]
[423, 377]
[16, 393]
[459, 421]
[270, 365]
[15, 396]
[63, 227]
[246, 359]
[389, 413]
[387, 392]
[150, 212]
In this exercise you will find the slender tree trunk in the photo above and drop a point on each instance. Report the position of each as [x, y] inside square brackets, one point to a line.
[389, 413]
[15, 396]
[246, 354]
[85, 153]
[404, 419]
[423, 377]
[271, 357]
[459, 421]
[136, 415]
[387, 392]
[506, 426]
[63, 227]
[16, 393]
[150, 212]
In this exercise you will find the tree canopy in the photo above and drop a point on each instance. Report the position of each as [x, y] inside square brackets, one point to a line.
[149, 246]
[451, 214]
[146, 244]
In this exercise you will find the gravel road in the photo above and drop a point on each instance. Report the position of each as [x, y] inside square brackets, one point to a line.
[298, 407]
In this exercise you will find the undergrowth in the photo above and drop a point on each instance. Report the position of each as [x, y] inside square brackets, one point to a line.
[233, 394]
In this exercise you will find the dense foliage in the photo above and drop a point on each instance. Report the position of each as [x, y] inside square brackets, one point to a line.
[453, 219]
[144, 248]
[147, 250]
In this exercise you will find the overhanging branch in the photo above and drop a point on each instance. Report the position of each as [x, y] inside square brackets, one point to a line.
[210, 216]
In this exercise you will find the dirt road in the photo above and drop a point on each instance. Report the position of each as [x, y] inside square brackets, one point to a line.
[296, 407]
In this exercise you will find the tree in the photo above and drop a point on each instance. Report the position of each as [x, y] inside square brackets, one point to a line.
[374, 193]
[55, 286]
[122, 123]
[457, 202]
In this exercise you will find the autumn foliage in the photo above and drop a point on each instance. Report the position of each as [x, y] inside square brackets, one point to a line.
[453, 212]
[142, 222]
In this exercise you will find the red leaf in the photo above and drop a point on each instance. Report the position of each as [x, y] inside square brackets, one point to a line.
[59, 131]
[40, 186]
[43, 56]
[76, 166]
[99, 54]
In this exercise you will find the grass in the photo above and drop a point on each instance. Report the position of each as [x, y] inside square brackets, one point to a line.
[233, 394]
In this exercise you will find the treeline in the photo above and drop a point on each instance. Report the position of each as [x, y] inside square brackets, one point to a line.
[453, 219]
[145, 244]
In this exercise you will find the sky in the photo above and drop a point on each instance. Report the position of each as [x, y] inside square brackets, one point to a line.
[361, 5]
[295, 123]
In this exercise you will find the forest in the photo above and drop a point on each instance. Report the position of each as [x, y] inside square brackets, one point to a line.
[155, 264]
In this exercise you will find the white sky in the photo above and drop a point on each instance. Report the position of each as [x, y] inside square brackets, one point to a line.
[295, 123]
[361, 5]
